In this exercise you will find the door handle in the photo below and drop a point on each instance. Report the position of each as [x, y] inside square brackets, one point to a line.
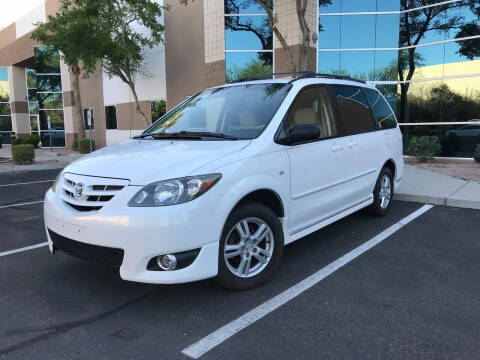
[352, 144]
[337, 148]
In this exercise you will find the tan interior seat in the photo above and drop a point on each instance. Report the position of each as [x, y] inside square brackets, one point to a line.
[305, 116]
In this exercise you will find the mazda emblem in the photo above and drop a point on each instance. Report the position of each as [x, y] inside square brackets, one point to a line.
[78, 190]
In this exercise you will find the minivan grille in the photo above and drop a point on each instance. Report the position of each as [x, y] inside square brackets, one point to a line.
[89, 193]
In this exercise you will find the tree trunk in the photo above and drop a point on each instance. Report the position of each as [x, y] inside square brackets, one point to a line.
[137, 105]
[404, 102]
[305, 45]
[74, 74]
[285, 47]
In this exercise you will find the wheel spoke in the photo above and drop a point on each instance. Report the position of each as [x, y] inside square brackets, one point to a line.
[232, 247]
[246, 268]
[233, 254]
[242, 229]
[263, 252]
[260, 234]
[239, 269]
[260, 259]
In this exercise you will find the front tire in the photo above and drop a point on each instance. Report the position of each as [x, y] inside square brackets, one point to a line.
[251, 247]
[382, 193]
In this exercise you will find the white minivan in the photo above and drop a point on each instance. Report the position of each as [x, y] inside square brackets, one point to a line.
[222, 182]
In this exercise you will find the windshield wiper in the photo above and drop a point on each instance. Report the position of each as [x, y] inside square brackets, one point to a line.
[177, 135]
[187, 135]
[141, 136]
[211, 134]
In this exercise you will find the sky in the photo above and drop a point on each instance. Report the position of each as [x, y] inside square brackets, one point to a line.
[15, 9]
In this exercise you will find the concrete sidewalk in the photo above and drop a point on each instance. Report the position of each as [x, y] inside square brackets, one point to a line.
[425, 186]
[44, 160]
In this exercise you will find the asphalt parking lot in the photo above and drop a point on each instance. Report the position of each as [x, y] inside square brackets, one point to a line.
[415, 295]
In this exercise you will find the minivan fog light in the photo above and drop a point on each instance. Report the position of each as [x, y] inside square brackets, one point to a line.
[167, 262]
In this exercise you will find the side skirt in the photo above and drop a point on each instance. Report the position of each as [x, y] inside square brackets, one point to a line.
[319, 223]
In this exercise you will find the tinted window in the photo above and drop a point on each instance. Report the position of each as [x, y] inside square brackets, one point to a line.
[312, 107]
[383, 115]
[356, 114]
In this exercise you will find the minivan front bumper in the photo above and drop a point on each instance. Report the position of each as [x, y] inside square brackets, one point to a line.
[140, 234]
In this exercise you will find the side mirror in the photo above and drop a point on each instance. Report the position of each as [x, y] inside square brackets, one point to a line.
[303, 133]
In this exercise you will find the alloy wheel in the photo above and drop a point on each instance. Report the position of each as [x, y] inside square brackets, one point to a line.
[385, 191]
[248, 247]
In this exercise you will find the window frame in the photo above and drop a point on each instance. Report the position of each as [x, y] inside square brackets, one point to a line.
[226, 51]
[372, 118]
[282, 130]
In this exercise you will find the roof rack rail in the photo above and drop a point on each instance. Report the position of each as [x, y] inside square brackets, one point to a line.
[263, 76]
[301, 75]
[328, 76]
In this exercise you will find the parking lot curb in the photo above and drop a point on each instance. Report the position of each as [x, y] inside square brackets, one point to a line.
[5, 169]
[428, 187]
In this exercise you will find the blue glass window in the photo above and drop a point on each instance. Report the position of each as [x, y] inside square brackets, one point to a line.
[47, 60]
[359, 6]
[387, 30]
[327, 6]
[386, 65]
[5, 108]
[4, 92]
[358, 31]
[358, 64]
[49, 82]
[329, 32]
[329, 62]
[56, 119]
[57, 137]
[49, 100]
[430, 55]
[242, 7]
[3, 74]
[247, 33]
[388, 5]
[5, 123]
[242, 65]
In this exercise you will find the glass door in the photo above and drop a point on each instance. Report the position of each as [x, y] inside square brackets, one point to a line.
[35, 125]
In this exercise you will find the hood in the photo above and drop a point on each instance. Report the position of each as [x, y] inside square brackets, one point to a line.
[147, 161]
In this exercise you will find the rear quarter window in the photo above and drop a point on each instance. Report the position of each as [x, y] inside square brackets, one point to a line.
[381, 111]
[354, 108]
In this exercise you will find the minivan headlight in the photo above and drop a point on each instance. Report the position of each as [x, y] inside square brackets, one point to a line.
[174, 191]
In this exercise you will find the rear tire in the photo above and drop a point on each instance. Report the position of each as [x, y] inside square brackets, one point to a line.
[251, 247]
[382, 193]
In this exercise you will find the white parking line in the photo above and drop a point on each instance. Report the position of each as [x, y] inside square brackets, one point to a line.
[36, 246]
[21, 204]
[26, 183]
[217, 337]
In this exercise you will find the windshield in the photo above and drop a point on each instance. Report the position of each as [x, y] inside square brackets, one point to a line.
[240, 112]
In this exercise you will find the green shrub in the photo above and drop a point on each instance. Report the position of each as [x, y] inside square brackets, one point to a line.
[75, 144]
[424, 148]
[23, 154]
[84, 145]
[16, 141]
[33, 139]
